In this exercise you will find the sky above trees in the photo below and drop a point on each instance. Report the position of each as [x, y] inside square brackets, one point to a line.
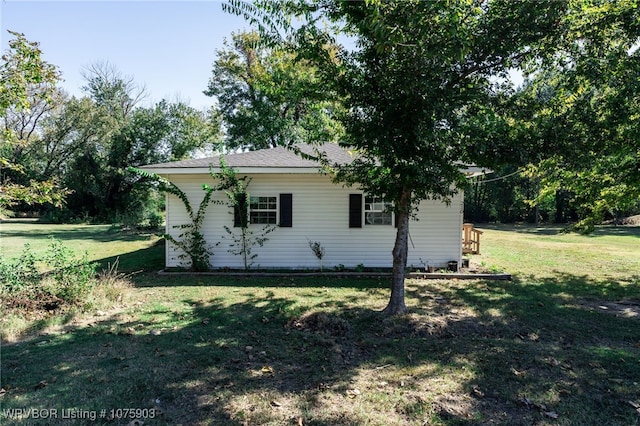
[168, 46]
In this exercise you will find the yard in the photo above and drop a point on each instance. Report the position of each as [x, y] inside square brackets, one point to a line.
[558, 345]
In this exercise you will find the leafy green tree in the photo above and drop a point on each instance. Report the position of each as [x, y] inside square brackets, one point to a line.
[574, 123]
[114, 133]
[268, 98]
[416, 70]
[27, 84]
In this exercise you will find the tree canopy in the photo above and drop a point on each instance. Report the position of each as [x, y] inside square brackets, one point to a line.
[27, 84]
[267, 97]
[583, 107]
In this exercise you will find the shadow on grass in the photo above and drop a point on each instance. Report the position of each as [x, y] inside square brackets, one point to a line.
[469, 353]
[147, 259]
[99, 233]
[600, 231]
[151, 279]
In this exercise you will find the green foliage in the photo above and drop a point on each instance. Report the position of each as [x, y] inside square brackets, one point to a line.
[191, 240]
[22, 66]
[27, 87]
[268, 97]
[575, 120]
[60, 148]
[242, 242]
[124, 134]
[73, 276]
[57, 275]
[19, 273]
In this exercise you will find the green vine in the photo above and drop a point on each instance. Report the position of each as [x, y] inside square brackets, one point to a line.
[191, 241]
[242, 242]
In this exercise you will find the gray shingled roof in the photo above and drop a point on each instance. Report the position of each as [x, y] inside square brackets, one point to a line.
[272, 157]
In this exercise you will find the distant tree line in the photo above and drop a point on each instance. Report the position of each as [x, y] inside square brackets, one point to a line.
[66, 157]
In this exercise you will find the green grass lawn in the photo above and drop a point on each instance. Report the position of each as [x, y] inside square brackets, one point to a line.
[558, 345]
[103, 243]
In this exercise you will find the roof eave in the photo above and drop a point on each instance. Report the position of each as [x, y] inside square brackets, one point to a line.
[242, 170]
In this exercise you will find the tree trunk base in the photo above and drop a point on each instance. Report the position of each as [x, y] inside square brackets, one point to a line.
[394, 309]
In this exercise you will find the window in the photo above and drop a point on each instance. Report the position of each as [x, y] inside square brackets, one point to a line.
[263, 210]
[377, 211]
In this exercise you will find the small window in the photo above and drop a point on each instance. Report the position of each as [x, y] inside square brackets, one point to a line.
[263, 210]
[377, 211]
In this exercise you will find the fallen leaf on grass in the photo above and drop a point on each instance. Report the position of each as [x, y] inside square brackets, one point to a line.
[40, 385]
[518, 373]
[275, 404]
[477, 392]
[551, 414]
[205, 321]
[2, 391]
[267, 369]
[352, 393]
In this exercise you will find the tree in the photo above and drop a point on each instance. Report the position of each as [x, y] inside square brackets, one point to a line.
[267, 98]
[116, 132]
[416, 70]
[584, 107]
[27, 83]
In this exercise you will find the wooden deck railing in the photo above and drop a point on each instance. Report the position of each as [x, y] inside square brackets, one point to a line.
[470, 239]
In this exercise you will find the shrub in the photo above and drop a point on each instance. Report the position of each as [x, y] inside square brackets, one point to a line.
[62, 275]
[20, 273]
[73, 276]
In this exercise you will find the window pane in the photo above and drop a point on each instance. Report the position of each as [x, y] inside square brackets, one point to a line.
[377, 211]
[263, 210]
[378, 218]
[263, 217]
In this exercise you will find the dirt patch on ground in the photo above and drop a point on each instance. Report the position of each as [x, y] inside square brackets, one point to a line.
[623, 308]
[321, 322]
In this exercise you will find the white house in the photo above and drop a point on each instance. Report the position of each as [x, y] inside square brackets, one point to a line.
[290, 193]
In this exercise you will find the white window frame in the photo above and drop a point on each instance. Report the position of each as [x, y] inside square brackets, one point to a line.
[274, 210]
[377, 208]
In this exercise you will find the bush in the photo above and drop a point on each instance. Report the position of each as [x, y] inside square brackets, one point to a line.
[62, 276]
[20, 273]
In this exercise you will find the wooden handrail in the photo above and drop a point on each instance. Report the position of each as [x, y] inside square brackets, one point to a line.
[470, 239]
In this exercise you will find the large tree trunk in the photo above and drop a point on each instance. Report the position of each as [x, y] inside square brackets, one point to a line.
[396, 302]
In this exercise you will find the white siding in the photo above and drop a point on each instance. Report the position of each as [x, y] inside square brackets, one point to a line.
[320, 213]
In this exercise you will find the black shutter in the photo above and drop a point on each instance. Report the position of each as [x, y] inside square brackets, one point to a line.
[240, 212]
[355, 210]
[395, 218]
[286, 210]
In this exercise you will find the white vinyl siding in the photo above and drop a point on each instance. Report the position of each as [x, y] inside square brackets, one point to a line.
[320, 213]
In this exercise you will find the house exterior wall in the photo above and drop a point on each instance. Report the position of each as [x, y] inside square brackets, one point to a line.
[320, 213]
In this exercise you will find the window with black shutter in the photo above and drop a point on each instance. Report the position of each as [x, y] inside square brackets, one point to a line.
[355, 210]
[286, 210]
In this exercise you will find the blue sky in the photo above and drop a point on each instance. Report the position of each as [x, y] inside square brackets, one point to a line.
[169, 46]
